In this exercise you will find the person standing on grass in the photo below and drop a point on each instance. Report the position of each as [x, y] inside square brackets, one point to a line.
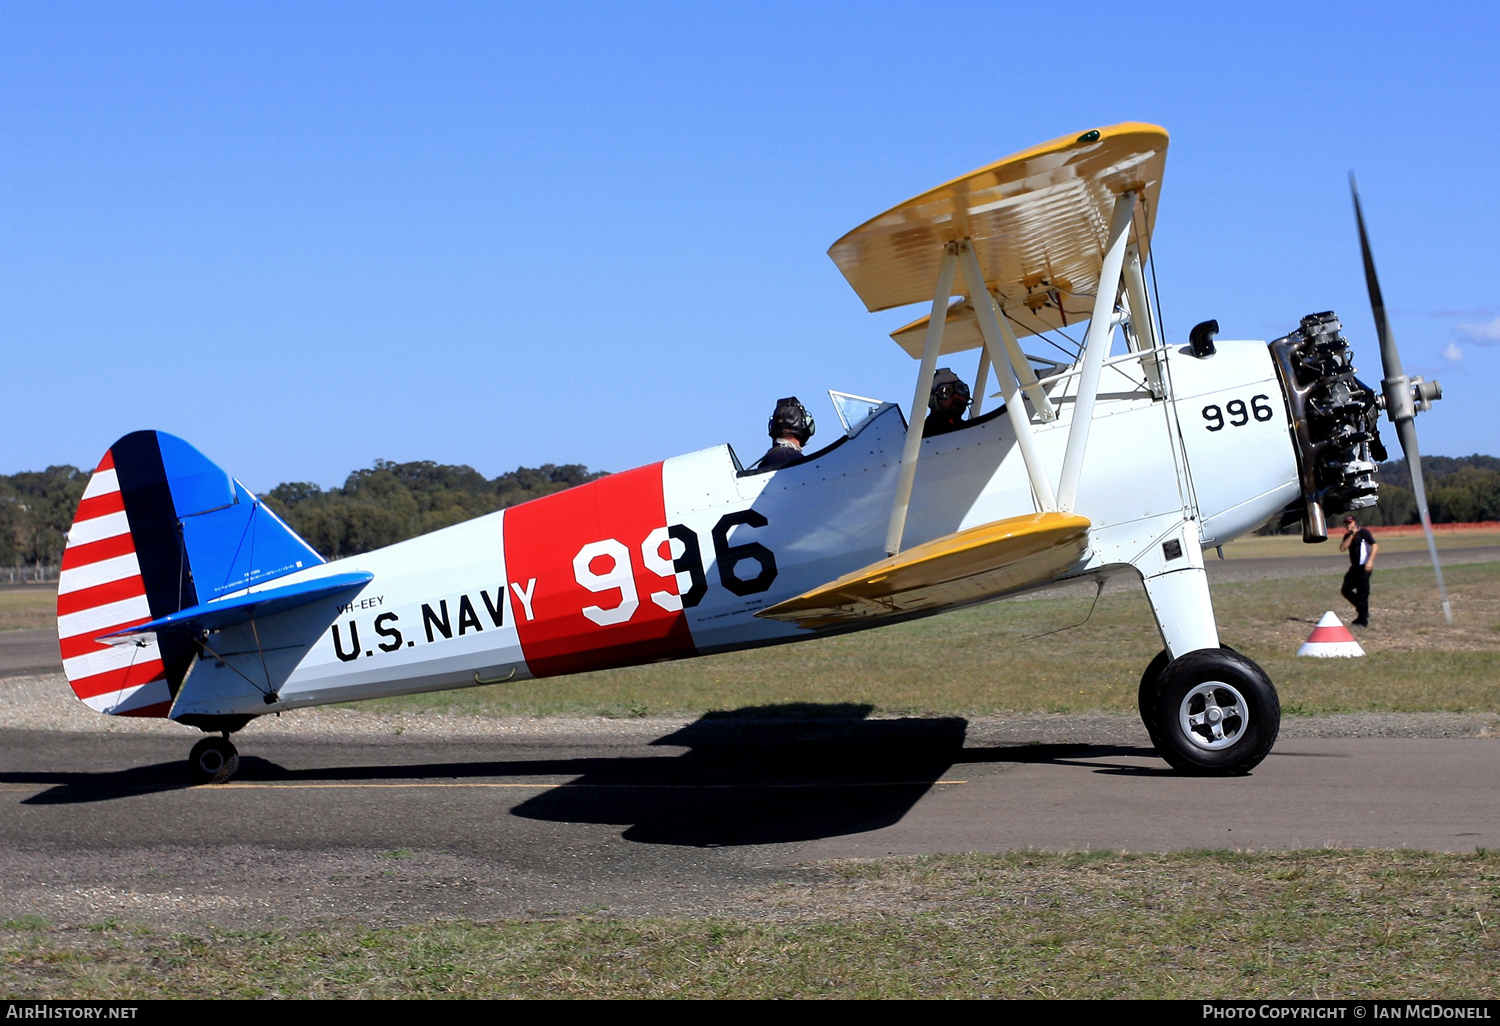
[1360, 544]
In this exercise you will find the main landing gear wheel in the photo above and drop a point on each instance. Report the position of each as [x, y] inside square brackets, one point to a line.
[1215, 713]
[213, 760]
[1145, 699]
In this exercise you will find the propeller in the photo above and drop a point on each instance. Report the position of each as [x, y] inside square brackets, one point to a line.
[1404, 397]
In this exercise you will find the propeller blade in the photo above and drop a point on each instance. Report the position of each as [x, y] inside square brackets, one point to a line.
[1406, 430]
[1399, 406]
[1390, 359]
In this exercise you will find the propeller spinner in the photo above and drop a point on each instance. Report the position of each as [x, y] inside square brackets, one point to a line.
[1404, 397]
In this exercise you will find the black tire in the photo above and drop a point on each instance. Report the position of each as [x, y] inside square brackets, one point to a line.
[1217, 713]
[213, 760]
[1146, 697]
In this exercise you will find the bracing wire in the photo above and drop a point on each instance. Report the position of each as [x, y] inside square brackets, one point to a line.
[1098, 590]
[1161, 318]
[203, 641]
[270, 688]
[1043, 335]
[137, 644]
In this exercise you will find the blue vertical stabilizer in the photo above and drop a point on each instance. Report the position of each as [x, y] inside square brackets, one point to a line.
[230, 538]
[241, 544]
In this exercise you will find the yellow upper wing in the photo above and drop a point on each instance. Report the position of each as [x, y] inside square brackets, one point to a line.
[1037, 221]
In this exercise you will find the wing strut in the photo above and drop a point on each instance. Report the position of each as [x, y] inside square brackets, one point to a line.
[1095, 349]
[981, 381]
[1141, 324]
[1018, 361]
[918, 420]
[993, 331]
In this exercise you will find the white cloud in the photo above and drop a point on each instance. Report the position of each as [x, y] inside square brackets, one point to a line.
[1484, 333]
[1452, 353]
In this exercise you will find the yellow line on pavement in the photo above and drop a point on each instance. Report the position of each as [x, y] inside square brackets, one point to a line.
[295, 786]
[247, 785]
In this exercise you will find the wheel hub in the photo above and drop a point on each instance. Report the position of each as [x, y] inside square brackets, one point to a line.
[1214, 715]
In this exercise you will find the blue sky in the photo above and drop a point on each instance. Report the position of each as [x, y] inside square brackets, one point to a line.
[306, 236]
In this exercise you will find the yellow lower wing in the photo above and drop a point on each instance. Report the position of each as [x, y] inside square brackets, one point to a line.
[978, 563]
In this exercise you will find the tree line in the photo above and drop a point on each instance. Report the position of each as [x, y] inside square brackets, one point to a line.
[376, 506]
[36, 510]
[390, 502]
[1460, 490]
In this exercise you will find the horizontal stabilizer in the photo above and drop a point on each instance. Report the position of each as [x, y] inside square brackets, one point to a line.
[967, 566]
[243, 608]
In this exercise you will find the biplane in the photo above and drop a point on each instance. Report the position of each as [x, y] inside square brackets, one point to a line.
[182, 595]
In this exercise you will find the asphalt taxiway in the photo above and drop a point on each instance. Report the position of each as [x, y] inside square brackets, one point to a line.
[654, 818]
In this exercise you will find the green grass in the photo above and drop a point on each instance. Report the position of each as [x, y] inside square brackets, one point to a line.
[28, 606]
[1321, 924]
[994, 659]
[23, 923]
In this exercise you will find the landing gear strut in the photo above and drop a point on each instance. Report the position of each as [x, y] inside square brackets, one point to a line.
[213, 760]
[1211, 712]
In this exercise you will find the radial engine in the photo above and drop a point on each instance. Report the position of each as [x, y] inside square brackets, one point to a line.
[1333, 416]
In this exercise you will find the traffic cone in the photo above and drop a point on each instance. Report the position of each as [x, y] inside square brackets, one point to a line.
[1330, 639]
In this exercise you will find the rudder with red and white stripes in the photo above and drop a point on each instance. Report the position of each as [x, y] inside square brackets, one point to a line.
[100, 589]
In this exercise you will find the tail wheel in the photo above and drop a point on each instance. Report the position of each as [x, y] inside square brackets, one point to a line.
[1217, 713]
[213, 760]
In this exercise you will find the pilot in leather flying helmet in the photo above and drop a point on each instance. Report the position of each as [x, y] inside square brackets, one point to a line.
[790, 427]
[946, 404]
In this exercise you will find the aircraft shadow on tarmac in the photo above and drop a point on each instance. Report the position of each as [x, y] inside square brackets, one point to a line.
[759, 775]
[764, 775]
[786, 773]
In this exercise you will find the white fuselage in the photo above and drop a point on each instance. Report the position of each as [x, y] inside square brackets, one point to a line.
[674, 559]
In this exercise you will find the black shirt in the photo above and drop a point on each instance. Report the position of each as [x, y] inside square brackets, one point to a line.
[779, 456]
[1359, 547]
[940, 423]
